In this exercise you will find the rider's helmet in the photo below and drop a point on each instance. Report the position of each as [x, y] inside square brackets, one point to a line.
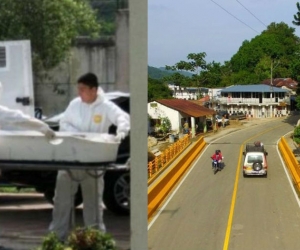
[217, 152]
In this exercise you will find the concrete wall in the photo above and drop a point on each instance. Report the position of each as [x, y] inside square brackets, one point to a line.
[54, 89]
[107, 57]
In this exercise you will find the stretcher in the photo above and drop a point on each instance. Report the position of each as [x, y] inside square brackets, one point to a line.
[31, 150]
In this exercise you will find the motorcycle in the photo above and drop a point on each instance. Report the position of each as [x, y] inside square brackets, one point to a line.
[217, 165]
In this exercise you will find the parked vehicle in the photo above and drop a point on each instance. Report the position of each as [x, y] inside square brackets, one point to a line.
[222, 113]
[219, 120]
[255, 160]
[116, 195]
[238, 116]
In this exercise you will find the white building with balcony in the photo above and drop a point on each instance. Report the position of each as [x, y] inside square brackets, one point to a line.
[188, 93]
[257, 100]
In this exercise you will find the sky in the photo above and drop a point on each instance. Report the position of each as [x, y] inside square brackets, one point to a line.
[216, 27]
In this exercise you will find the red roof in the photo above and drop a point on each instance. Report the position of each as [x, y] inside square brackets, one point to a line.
[279, 82]
[187, 107]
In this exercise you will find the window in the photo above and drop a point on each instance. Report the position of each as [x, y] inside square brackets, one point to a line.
[2, 57]
[254, 158]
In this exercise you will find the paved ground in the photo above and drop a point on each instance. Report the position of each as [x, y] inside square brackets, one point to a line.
[24, 219]
[259, 213]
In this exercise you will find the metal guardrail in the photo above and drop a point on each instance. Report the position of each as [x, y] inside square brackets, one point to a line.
[290, 161]
[168, 179]
[167, 156]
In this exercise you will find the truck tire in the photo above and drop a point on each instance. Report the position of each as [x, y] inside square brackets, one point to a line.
[116, 196]
[257, 166]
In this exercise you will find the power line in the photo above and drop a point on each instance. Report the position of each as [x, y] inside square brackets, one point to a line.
[234, 16]
[251, 13]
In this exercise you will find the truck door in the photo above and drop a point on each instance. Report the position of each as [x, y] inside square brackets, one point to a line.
[16, 76]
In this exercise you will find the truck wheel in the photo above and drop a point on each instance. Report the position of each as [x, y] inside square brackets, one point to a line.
[116, 196]
[49, 195]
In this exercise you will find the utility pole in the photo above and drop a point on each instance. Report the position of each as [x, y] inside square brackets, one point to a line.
[271, 85]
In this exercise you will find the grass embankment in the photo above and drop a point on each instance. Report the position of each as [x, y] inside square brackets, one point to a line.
[16, 190]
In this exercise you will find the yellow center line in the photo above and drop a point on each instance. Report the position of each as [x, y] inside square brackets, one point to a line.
[233, 199]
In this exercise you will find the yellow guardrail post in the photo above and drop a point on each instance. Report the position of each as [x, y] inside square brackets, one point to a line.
[290, 161]
[158, 191]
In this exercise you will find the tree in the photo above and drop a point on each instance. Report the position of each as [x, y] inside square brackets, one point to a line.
[277, 43]
[212, 74]
[297, 16]
[196, 64]
[158, 90]
[106, 14]
[50, 25]
[178, 79]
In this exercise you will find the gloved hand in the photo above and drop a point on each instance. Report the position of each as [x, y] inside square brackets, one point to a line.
[120, 136]
[50, 134]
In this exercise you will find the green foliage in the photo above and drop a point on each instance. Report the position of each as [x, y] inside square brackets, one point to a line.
[297, 16]
[80, 239]
[298, 102]
[51, 242]
[297, 135]
[277, 43]
[195, 64]
[50, 25]
[158, 90]
[179, 80]
[90, 239]
[106, 14]
[165, 126]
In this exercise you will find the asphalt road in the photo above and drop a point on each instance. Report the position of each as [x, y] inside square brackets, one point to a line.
[226, 210]
[24, 219]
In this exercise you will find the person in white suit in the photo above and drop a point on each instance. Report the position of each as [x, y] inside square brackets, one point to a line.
[89, 112]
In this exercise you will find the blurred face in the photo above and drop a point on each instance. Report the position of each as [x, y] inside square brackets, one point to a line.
[86, 93]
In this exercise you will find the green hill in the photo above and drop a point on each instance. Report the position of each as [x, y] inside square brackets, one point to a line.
[159, 73]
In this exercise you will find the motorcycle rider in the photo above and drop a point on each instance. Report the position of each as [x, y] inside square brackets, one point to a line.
[217, 156]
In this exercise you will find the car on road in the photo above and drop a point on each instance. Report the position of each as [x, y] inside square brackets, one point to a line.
[255, 160]
[117, 182]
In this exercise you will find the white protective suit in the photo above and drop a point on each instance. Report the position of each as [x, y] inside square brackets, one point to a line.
[11, 119]
[83, 117]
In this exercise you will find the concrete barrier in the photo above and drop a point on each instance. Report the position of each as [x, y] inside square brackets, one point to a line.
[158, 191]
[291, 161]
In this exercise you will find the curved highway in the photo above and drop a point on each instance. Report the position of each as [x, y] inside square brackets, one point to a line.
[226, 210]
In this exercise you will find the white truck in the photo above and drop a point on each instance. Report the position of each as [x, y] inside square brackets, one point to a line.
[17, 80]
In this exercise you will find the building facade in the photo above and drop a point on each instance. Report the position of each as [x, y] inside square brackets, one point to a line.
[257, 100]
